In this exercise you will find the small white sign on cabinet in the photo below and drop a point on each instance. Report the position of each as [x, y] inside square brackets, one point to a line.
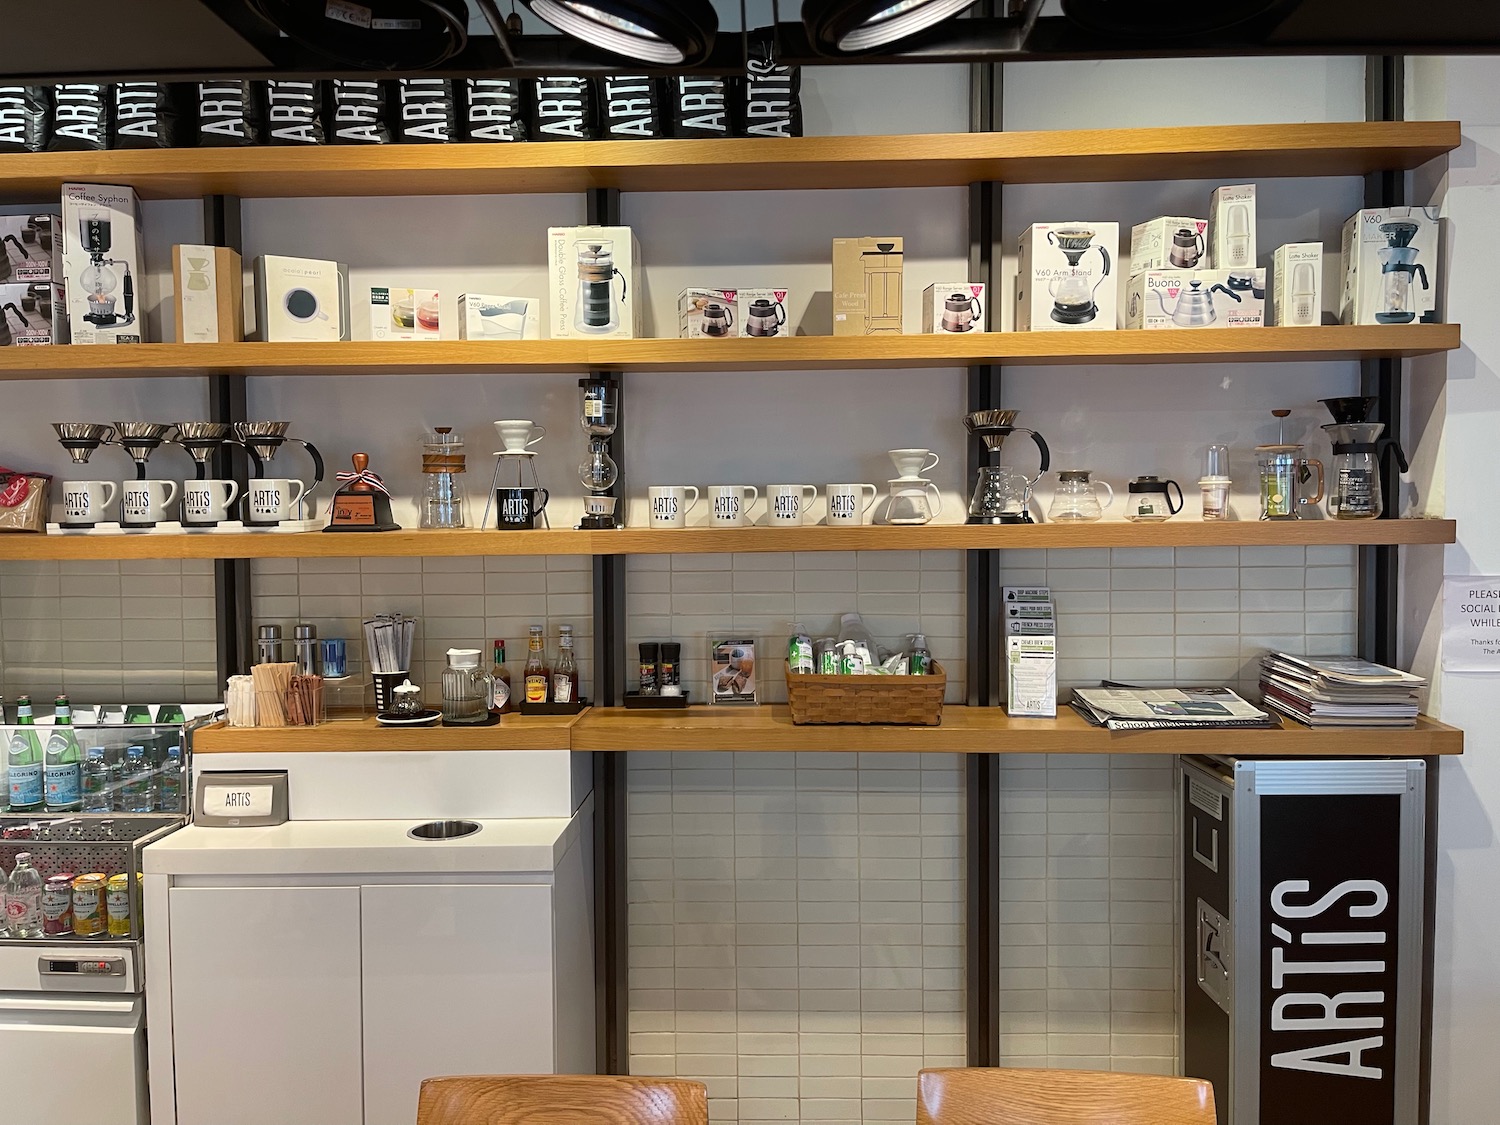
[237, 800]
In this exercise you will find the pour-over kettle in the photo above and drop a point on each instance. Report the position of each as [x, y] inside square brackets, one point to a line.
[1195, 305]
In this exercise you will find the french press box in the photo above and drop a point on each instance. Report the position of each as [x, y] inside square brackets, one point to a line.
[593, 276]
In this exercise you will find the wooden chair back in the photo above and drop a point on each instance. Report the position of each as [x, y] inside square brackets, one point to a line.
[561, 1099]
[1015, 1096]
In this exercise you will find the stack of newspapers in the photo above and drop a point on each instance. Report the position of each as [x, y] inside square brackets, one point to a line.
[1119, 707]
[1339, 691]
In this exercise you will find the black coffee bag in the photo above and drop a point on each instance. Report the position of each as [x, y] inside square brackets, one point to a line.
[228, 116]
[631, 108]
[294, 113]
[495, 110]
[80, 117]
[768, 102]
[564, 109]
[25, 118]
[699, 105]
[357, 113]
[145, 116]
[426, 112]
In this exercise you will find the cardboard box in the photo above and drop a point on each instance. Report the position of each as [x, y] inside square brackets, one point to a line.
[761, 313]
[1375, 294]
[405, 314]
[1231, 227]
[1171, 242]
[867, 286]
[102, 263]
[482, 317]
[26, 245]
[26, 314]
[208, 288]
[725, 321]
[606, 260]
[301, 299]
[1067, 289]
[1232, 298]
[1297, 285]
[953, 306]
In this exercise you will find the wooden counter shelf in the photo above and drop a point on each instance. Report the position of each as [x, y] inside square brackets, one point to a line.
[989, 730]
[791, 353]
[513, 732]
[714, 540]
[1224, 152]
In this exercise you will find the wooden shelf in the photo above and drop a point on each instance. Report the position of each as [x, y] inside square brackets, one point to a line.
[513, 732]
[949, 159]
[708, 540]
[809, 353]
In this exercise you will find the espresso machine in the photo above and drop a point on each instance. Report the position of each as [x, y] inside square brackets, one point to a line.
[600, 417]
[263, 440]
[1002, 494]
[1073, 291]
[98, 280]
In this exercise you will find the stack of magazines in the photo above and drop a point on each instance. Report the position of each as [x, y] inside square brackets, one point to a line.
[1339, 691]
[1119, 707]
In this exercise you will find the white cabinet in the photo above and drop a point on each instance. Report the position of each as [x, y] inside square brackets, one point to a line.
[457, 980]
[266, 1005]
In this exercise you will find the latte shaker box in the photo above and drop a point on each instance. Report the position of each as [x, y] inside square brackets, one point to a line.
[592, 275]
[867, 286]
[1297, 285]
[208, 295]
[101, 228]
[1231, 227]
[953, 306]
[301, 299]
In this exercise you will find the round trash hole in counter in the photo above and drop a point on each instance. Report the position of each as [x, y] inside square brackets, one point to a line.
[443, 830]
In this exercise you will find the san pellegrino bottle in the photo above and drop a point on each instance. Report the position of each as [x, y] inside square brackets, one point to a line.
[23, 899]
[61, 771]
[24, 761]
[138, 714]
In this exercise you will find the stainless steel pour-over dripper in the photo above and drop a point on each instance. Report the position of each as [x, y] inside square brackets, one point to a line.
[263, 439]
[80, 439]
[141, 439]
[202, 440]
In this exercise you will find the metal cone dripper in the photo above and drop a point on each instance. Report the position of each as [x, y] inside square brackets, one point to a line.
[1074, 243]
[141, 439]
[201, 440]
[992, 426]
[80, 439]
[262, 440]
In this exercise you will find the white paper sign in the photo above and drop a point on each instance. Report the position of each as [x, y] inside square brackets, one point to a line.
[1471, 624]
[237, 800]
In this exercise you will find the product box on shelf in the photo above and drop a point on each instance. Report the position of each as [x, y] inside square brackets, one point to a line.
[483, 317]
[708, 312]
[1231, 227]
[404, 314]
[26, 247]
[1030, 624]
[953, 306]
[1067, 276]
[1387, 255]
[208, 295]
[1296, 285]
[26, 314]
[301, 299]
[761, 312]
[102, 263]
[1196, 299]
[1171, 242]
[593, 272]
[867, 286]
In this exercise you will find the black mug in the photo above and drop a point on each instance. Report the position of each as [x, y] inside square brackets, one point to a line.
[518, 507]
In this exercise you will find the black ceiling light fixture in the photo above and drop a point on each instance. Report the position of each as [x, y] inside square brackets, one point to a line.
[848, 27]
[373, 34]
[659, 32]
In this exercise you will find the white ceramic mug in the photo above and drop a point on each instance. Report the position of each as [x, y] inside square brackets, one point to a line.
[787, 505]
[670, 504]
[517, 434]
[145, 502]
[732, 504]
[848, 503]
[208, 501]
[273, 499]
[86, 502]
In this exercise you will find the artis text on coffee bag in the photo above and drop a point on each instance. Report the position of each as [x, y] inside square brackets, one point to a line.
[426, 113]
[80, 117]
[495, 109]
[293, 113]
[357, 113]
[227, 115]
[768, 99]
[25, 117]
[631, 107]
[564, 109]
[700, 105]
[145, 116]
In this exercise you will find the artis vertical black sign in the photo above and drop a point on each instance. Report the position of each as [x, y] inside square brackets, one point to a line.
[1330, 892]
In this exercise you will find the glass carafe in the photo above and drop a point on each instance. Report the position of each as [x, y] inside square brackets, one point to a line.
[913, 501]
[466, 687]
[1357, 449]
[1001, 495]
[1076, 499]
[443, 504]
[1284, 473]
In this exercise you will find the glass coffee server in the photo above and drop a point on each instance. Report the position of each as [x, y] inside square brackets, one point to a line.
[71, 949]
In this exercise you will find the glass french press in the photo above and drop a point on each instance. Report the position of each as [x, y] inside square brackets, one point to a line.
[1284, 473]
[598, 311]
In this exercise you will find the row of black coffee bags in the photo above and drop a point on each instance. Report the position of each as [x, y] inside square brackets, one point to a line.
[91, 117]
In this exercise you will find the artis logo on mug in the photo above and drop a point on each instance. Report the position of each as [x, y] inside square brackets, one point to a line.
[787, 507]
[726, 507]
[842, 505]
[265, 498]
[665, 507]
[515, 509]
[137, 501]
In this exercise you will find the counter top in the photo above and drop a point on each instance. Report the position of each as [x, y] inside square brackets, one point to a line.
[365, 847]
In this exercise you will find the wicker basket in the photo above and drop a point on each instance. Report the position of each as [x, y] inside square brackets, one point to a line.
[908, 701]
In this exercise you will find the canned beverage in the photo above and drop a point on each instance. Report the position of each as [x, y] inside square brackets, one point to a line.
[117, 905]
[88, 905]
[57, 904]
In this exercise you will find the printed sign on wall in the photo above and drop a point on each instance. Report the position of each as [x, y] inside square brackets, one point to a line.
[1471, 624]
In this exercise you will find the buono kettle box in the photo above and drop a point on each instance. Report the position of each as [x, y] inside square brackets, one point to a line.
[867, 285]
[1196, 299]
[101, 236]
[301, 299]
[592, 274]
[208, 295]
[1067, 277]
